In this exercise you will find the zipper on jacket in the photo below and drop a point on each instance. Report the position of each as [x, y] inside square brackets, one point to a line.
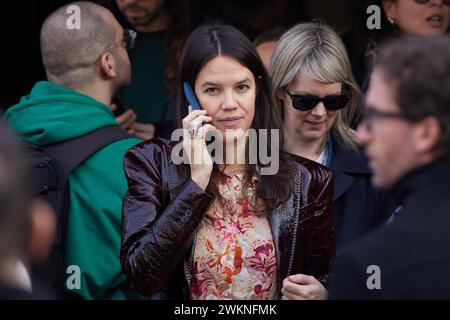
[297, 217]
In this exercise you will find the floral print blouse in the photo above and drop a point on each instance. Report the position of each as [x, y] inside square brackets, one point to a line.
[234, 255]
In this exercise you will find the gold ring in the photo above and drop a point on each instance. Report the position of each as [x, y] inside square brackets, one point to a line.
[192, 133]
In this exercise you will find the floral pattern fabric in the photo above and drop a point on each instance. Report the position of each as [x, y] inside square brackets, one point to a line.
[234, 255]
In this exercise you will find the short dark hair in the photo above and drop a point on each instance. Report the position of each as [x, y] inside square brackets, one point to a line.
[69, 55]
[14, 198]
[210, 41]
[272, 35]
[419, 69]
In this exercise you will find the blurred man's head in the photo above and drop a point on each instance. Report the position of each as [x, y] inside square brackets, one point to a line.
[142, 14]
[14, 200]
[407, 114]
[95, 54]
[265, 44]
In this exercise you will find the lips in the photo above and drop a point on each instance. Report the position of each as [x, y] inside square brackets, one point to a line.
[436, 20]
[134, 12]
[315, 124]
[230, 121]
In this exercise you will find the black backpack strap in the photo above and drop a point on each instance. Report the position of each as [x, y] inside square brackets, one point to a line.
[73, 152]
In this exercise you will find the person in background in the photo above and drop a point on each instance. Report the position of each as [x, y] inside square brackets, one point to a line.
[26, 226]
[85, 69]
[317, 94]
[418, 17]
[406, 134]
[225, 229]
[265, 44]
[413, 17]
[15, 218]
[162, 27]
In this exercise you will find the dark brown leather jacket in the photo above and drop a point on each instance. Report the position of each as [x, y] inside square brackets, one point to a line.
[160, 218]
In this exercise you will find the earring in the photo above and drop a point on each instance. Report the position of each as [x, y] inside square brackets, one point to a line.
[392, 21]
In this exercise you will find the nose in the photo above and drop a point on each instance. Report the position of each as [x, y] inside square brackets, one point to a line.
[319, 110]
[229, 101]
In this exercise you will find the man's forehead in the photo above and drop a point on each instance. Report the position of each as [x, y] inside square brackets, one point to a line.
[382, 92]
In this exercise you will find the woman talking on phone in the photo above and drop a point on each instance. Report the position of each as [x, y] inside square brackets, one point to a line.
[223, 229]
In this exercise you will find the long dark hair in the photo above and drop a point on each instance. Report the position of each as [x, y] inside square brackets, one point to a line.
[207, 42]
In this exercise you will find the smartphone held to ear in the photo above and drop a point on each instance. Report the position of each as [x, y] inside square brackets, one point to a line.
[190, 96]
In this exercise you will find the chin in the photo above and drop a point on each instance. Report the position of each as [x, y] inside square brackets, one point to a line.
[382, 182]
[233, 138]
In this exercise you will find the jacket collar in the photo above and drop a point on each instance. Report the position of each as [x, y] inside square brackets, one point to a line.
[346, 163]
[433, 173]
[346, 160]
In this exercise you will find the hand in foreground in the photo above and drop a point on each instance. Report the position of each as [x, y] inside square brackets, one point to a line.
[126, 119]
[143, 131]
[303, 287]
[194, 145]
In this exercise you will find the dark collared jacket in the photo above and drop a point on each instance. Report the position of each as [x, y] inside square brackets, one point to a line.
[358, 207]
[410, 257]
[160, 219]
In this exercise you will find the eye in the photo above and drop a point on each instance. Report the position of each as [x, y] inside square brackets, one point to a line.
[211, 90]
[243, 87]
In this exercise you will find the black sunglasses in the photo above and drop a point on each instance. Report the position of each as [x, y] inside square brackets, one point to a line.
[446, 2]
[129, 38]
[331, 103]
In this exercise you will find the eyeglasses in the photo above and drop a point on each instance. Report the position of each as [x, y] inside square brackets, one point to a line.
[128, 40]
[446, 2]
[370, 114]
[331, 103]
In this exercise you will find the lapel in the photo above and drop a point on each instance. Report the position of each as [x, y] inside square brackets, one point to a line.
[346, 164]
[342, 182]
[283, 223]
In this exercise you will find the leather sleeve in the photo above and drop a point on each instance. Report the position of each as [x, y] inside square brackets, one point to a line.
[157, 226]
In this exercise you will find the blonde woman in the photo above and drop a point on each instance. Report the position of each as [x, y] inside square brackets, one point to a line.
[318, 97]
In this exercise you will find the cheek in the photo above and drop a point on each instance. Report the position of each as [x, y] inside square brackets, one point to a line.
[248, 106]
[447, 15]
[292, 116]
[410, 17]
[331, 118]
[210, 104]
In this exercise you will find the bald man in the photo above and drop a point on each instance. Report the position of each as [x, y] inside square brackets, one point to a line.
[85, 68]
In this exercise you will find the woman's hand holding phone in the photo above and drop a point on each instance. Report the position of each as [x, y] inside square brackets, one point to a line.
[194, 144]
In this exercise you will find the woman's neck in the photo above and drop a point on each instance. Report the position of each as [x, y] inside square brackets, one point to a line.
[233, 156]
[309, 149]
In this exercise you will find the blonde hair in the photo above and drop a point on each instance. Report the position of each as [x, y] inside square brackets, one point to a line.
[317, 50]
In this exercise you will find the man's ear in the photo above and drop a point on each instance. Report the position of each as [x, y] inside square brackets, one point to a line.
[107, 65]
[390, 9]
[427, 134]
[279, 93]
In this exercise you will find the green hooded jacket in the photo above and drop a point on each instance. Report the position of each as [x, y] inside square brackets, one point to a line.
[53, 114]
